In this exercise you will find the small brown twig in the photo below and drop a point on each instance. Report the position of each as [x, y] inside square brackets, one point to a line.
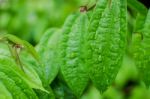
[17, 49]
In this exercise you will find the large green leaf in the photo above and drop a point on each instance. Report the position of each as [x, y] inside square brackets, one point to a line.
[106, 40]
[72, 51]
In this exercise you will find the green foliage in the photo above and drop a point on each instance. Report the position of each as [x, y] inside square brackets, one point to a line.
[141, 52]
[101, 52]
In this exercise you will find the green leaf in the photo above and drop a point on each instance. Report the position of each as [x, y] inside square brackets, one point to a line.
[137, 6]
[4, 93]
[29, 76]
[47, 48]
[139, 23]
[106, 41]
[15, 40]
[72, 60]
[18, 80]
[61, 90]
[43, 95]
[12, 87]
[32, 78]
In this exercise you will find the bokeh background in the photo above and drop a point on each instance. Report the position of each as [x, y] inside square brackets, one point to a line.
[29, 19]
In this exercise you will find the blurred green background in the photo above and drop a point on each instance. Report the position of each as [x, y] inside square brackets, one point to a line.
[29, 19]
